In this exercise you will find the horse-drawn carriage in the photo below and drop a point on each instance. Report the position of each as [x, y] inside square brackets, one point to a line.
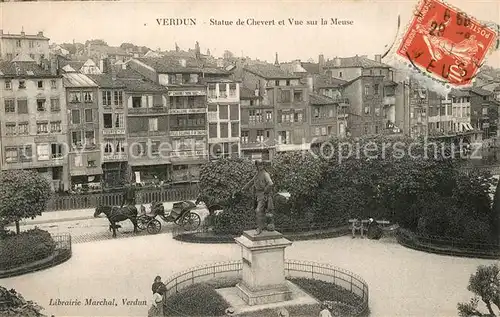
[181, 214]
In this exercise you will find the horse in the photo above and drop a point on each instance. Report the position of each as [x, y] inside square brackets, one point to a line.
[116, 214]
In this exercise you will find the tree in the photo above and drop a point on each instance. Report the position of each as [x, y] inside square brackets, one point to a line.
[23, 194]
[96, 42]
[485, 284]
[228, 54]
[12, 304]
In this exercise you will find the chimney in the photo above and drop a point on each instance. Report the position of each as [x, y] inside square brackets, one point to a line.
[106, 66]
[310, 83]
[337, 62]
[276, 62]
[22, 33]
[40, 33]
[321, 61]
[54, 69]
[378, 58]
[101, 65]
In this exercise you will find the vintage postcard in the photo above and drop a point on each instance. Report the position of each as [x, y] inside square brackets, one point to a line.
[250, 158]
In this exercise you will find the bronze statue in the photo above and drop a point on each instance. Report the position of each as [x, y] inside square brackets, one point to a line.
[262, 185]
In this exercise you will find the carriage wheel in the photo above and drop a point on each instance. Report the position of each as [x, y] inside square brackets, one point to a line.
[191, 221]
[154, 226]
[142, 223]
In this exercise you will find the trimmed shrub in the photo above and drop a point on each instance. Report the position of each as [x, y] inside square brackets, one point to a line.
[196, 300]
[13, 304]
[26, 247]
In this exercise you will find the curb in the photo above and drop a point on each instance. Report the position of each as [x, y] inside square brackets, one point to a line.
[39, 222]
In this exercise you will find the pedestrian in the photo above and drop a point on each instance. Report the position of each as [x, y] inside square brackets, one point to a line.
[157, 283]
[357, 225]
[156, 309]
[325, 312]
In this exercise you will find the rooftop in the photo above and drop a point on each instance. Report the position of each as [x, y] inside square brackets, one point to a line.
[481, 92]
[317, 99]
[311, 68]
[355, 61]
[110, 50]
[23, 69]
[329, 82]
[23, 35]
[169, 64]
[106, 81]
[77, 80]
[459, 93]
[293, 67]
[269, 71]
[134, 81]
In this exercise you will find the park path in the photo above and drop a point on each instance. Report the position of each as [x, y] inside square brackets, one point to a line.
[402, 282]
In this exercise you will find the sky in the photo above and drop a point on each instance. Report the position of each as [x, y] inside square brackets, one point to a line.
[374, 25]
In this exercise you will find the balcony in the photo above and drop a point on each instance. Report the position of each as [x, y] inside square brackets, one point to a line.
[113, 131]
[150, 110]
[82, 171]
[181, 93]
[389, 100]
[186, 110]
[115, 157]
[146, 133]
[188, 154]
[188, 132]
[257, 145]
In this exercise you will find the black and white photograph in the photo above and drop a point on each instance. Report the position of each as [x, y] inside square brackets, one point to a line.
[253, 159]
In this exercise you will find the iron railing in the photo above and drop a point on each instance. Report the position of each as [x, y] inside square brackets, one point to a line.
[293, 269]
[448, 245]
[87, 201]
[62, 252]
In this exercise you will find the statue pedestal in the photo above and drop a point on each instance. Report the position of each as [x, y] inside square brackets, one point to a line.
[263, 275]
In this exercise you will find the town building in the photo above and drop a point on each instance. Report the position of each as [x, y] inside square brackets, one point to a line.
[113, 54]
[324, 118]
[112, 123]
[484, 111]
[87, 66]
[364, 87]
[187, 109]
[84, 133]
[35, 46]
[33, 119]
[147, 128]
[289, 99]
[257, 120]
[223, 97]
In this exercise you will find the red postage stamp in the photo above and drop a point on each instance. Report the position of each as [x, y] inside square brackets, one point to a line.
[446, 43]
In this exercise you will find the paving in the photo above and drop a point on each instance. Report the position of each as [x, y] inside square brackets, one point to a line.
[402, 282]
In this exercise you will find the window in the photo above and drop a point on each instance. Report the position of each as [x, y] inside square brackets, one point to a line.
[54, 105]
[10, 128]
[340, 74]
[75, 116]
[232, 90]
[91, 163]
[18, 43]
[223, 112]
[89, 138]
[190, 102]
[106, 98]
[56, 150]
[108, 120]
[55, 126]
[323, 131]
[22, 84]
[234, 112]
[42, 127]
[367, 110]
[23, 128]
[235, 129]
[8, 84]
[367, 90]
[9, 106]
[260, 136]
[43, 152]
[153, 124]
[284, 137]
[89, 116]
[222, 91]
[244, 136]
[120, 122]
[118, 98]
[78, 161]
[40, 84]
[22, 106]
[26, 153]
[285, 95]
[11, 154]
[88, 96]
[53, 84]
[377, 111]
[212, 130]
[211, 91]
[40, 105]
[297, 96]
[109, 147]
[276, 83]
[74, 97]
[298, 117]
[485, 111]
[376, 88]
[76, 138]
[224, 133]
[9, 56]
[269, 116]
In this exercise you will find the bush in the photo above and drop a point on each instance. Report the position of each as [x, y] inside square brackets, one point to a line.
[26, 247]
[12, 304]
[196, 300]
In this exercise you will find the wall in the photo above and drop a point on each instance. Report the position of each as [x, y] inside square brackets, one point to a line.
[40, 47]
[347, 74]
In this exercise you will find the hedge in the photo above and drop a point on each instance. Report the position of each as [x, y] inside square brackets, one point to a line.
[26, 247]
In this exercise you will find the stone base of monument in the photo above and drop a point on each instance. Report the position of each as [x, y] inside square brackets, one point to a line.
[263, 273]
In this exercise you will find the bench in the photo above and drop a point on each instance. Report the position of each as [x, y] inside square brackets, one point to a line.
[384, 225]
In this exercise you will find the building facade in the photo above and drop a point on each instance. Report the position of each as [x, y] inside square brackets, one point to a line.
[484, 111]
[33, 120]
[223, 96]
[35, 46]
[187, 110]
